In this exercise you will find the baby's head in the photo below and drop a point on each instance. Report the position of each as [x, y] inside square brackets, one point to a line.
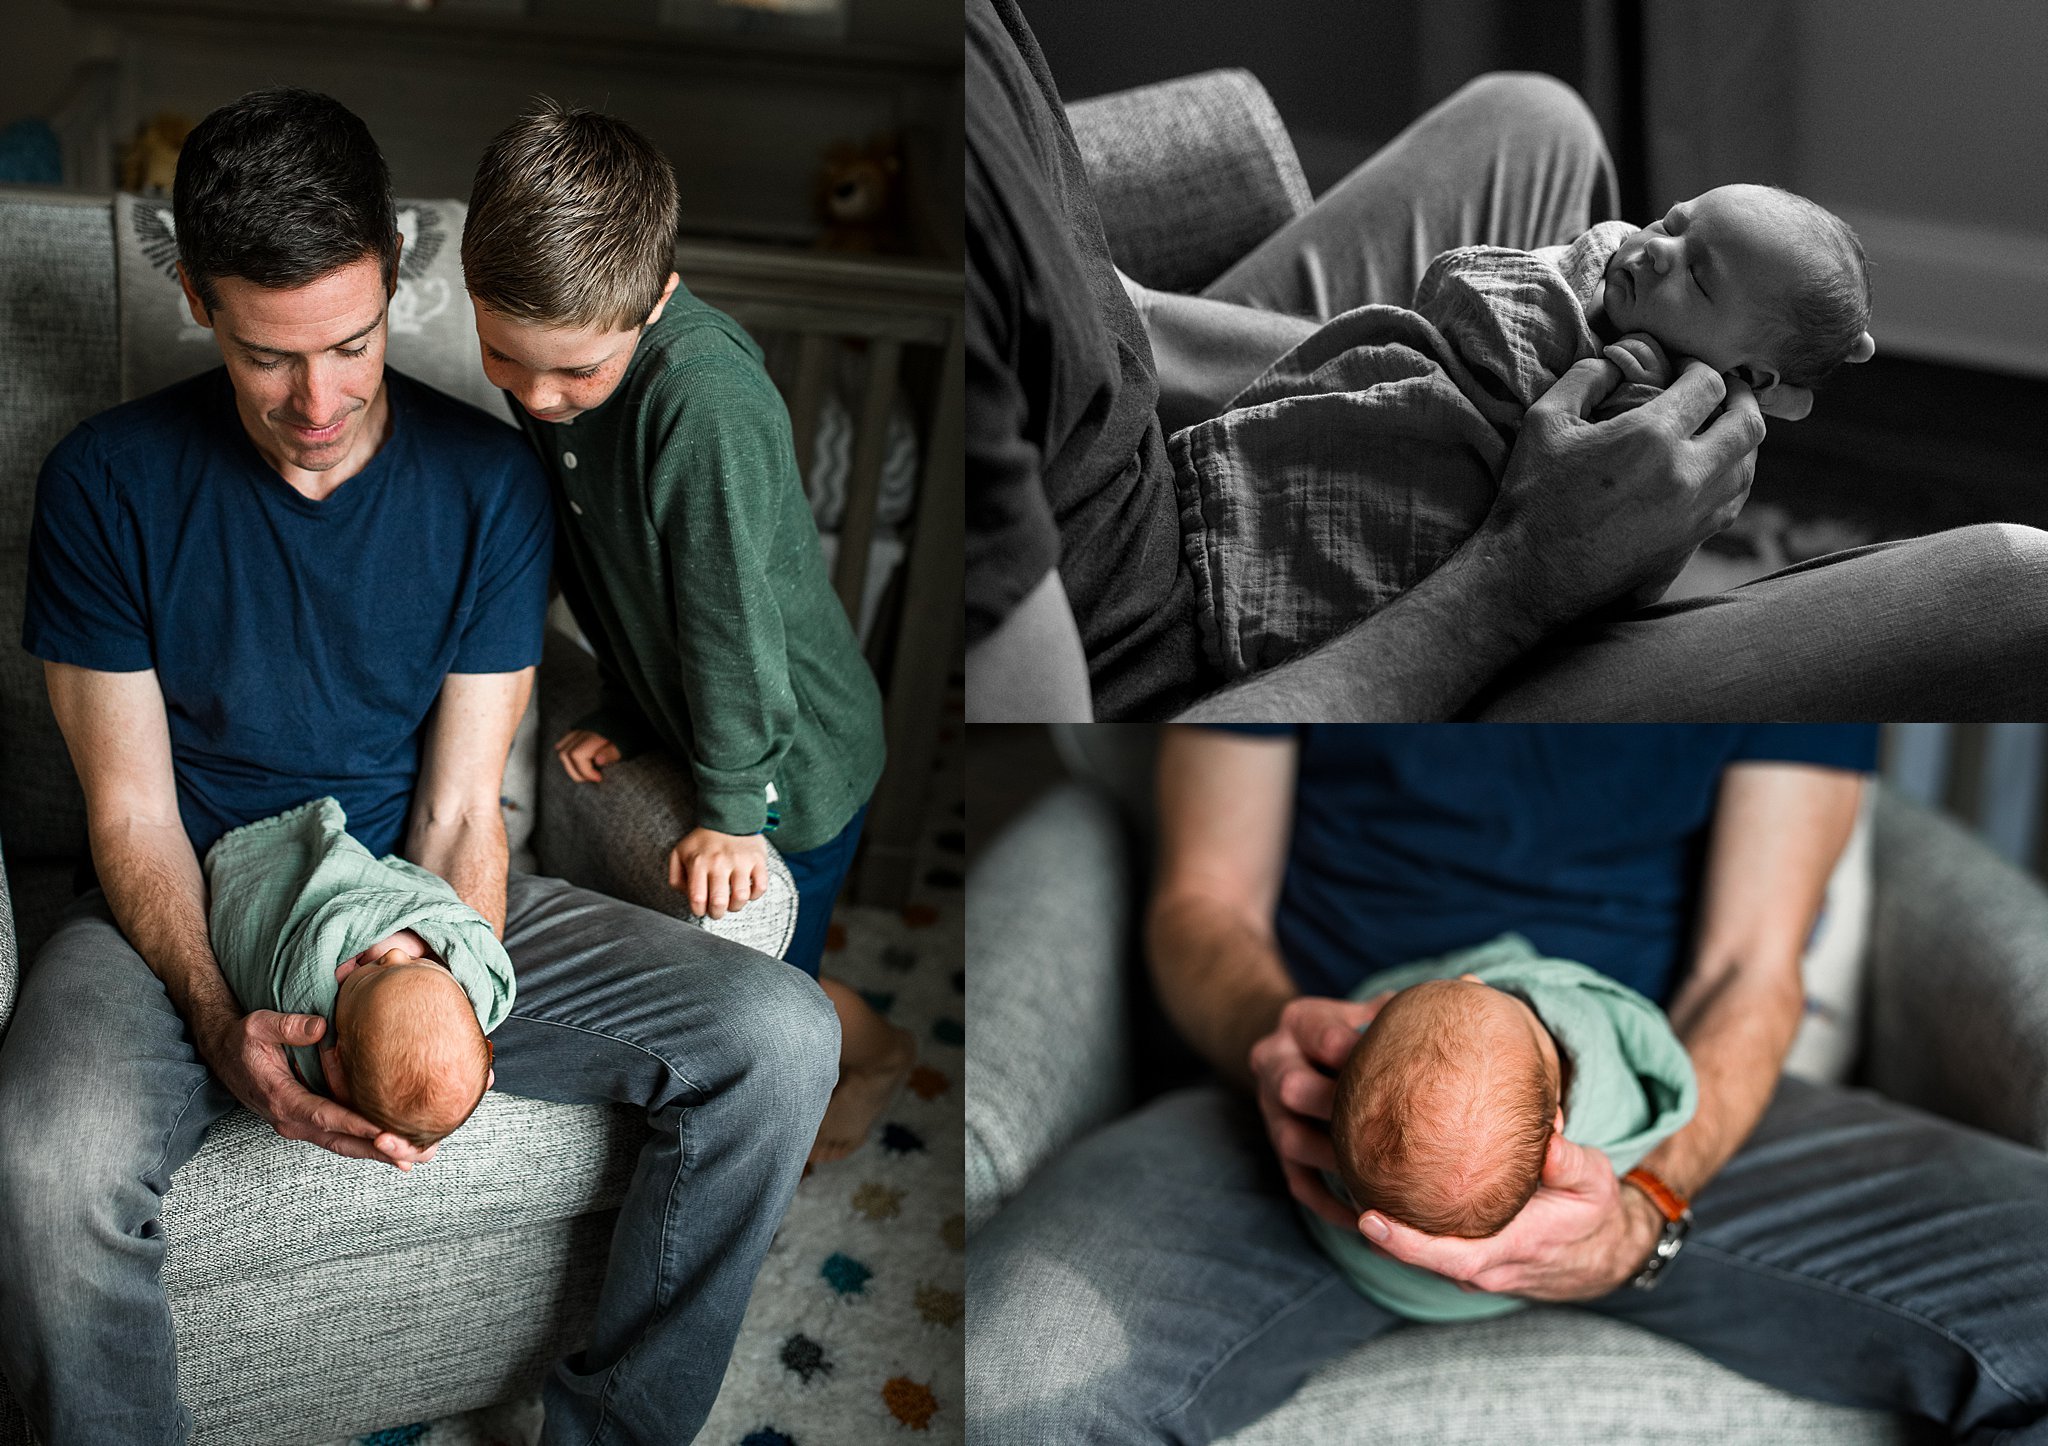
[1445, 1109]
[1749, 279]
[408, 1052]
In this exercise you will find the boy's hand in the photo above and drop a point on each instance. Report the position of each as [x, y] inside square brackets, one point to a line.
[719, 871]
[585, 754]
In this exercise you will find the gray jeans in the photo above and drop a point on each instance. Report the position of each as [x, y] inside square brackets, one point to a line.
[1951, 625]
[1155, 1283]
[102, 1098]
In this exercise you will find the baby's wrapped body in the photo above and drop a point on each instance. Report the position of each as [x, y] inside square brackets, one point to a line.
[1355, 464]
[1445, 1108]
[296, 902]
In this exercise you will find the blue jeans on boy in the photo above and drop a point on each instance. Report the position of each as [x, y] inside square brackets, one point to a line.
[102, 1098]
[818, 873]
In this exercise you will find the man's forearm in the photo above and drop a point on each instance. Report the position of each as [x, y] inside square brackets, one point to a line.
[1737, 1035]
[1206, 352]
[1220, 979]
[467, 849]
[158, 896]
[1419, 659]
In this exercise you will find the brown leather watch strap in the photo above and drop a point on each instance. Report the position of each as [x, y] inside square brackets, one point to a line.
[1670, 1204]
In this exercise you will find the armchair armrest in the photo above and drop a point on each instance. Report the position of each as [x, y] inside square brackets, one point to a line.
[10, 954]
[1046, 939]
[1189, 174]
[1958, 1005]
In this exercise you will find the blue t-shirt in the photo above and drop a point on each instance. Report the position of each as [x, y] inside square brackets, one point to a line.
[299, 644]
[1589, 840]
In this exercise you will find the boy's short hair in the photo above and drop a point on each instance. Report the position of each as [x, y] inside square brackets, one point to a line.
[1403, 1121]
[1828, 307]
[572, 221]
[280, 188]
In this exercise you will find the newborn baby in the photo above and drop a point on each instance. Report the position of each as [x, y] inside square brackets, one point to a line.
[1360, 460]
[409, 978]
[1445, 1109]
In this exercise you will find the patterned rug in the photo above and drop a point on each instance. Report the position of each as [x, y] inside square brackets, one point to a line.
[854, 1335]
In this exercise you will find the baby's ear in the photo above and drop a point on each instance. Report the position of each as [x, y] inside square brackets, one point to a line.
[1864, 349]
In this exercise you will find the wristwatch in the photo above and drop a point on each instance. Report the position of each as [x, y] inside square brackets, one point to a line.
[1677, 1213]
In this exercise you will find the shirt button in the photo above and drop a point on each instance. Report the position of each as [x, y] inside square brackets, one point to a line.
[569, 460]
[576, 507]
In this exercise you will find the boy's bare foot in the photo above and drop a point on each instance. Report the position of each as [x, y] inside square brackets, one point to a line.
[875, 1057]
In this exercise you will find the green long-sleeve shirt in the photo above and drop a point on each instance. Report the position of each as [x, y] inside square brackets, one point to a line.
[691, 561]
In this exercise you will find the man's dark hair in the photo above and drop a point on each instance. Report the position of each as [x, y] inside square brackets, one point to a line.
[280, 188]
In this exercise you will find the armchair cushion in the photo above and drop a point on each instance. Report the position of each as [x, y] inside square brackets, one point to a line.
[1189, 174]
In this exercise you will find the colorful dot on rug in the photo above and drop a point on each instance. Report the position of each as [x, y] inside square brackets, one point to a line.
[844, 1274]
[878, 1202]
[879, 1000]
[927, 1083]
[805, 1358]
[948, 1031]
[959, 981]
[766, 1436]
[901, 1139]
[920, 916]
[395, 1436]
[835, 936]
[954, 1232]
[900, 959]
[953, 840]
[940, 1306]
[944, 878]
[912, 1404]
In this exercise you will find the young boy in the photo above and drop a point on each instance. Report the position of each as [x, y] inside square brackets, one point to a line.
[1364, 457]
[303, 919]
[1444, 1110]
[689, 555]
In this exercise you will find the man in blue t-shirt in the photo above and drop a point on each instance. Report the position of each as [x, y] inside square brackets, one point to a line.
[304, 575]
[1846, 1248]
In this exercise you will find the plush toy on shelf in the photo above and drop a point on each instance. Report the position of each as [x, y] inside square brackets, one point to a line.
[860, 197]
[149, 163]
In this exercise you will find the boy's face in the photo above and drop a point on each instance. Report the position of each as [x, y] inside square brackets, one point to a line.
[557, 373]
[1706, 279]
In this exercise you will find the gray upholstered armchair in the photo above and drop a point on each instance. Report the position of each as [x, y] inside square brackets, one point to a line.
[1954, 1020]
[453, 1287]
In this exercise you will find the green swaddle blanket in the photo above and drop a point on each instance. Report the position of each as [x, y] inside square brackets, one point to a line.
[1631, 1086]
[294, 895]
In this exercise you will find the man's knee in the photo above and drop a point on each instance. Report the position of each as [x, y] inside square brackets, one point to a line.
[786, 1032]
[1529, 102]
[2000, 552]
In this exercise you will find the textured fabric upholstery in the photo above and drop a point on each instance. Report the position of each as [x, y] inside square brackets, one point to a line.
[1046, 940]
[1551, 1377]
[614, 836]
[56, 369]
[1189, 174]
[1957, 1012]
[10, 956]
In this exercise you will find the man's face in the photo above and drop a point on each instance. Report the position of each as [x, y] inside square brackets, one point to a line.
[307, 362]
[557, 373]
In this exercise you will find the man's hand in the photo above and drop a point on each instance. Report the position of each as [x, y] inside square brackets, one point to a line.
[719, 871]
[1580, 1236]
[1295, 1092]
[1592, 511]
[247, 1052]
[585, 754]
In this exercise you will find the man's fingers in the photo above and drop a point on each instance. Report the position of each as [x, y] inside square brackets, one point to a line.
[1577, 1168]
[1300, 1144]
[1307, 1187]
[1447, 1255]
[1307, 1092]
[1583, 388]
[1737, 432]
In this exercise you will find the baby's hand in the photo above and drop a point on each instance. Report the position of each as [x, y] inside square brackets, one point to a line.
[404, 941]
[1641, 360]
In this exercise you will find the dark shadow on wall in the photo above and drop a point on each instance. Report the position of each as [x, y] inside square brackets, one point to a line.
[1348, 74]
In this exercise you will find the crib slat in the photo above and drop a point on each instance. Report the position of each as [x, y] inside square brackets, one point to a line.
[813, 375]
[864, 478]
